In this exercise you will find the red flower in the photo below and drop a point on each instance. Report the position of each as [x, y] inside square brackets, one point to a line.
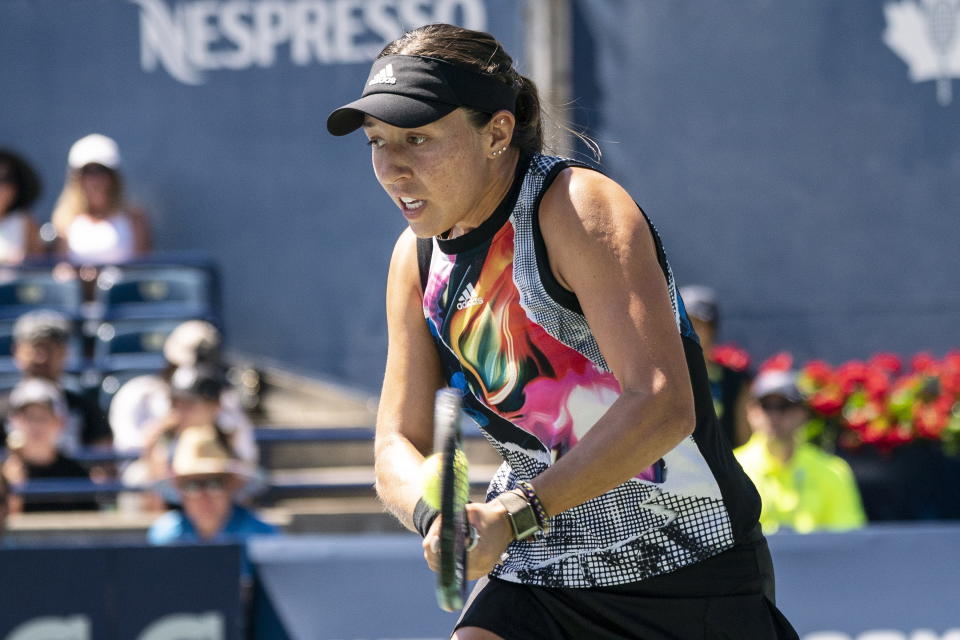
[730, 356]
[888, 362]
[930, 422]
[782, 361]
[924, 363]
[818, 372]
[877, 384]
[828, 401]
[851, 375]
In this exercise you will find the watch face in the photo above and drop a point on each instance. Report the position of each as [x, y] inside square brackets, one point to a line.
[522, 519]
[524, 523]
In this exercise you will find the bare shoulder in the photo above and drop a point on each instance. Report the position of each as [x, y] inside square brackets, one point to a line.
[586, 214]
[583, 201]
[404, 268]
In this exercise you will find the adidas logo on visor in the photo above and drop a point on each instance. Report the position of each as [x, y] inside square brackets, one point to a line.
[384, 76]
[469, 298]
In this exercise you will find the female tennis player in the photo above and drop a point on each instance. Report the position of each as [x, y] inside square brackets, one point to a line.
[540, 289]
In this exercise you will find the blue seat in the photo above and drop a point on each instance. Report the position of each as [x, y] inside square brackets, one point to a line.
[23, 290]
[132, 344]
[156, 291]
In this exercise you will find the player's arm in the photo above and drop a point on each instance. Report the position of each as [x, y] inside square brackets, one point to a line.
[413, 374]
[600, 247]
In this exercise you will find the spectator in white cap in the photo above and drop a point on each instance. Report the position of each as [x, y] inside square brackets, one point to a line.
[94, 223]
[801, 487]
[146, 399]
[207, 480]
[37, 419]
[40, 345]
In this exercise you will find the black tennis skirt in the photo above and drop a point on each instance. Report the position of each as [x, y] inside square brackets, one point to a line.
[730, 595]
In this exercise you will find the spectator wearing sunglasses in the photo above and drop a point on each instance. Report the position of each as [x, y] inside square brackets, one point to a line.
[802, 487]
[207, 481]
[19, 188]
[93, 221]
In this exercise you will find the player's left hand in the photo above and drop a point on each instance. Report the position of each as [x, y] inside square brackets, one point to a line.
[494, 534]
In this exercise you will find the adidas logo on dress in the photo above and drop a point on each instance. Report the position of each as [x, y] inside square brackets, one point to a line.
[384, 76]
[468, 298]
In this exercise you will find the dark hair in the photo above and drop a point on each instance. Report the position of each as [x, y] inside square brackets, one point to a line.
[23, 177]
[481, 52]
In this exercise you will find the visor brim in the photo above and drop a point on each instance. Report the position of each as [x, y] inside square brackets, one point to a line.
[394, 109]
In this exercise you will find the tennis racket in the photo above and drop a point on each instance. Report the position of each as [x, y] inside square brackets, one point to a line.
[451, 583]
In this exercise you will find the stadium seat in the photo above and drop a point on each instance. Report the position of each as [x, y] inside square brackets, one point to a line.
[156, 291]
[23, 290]
[132, 344]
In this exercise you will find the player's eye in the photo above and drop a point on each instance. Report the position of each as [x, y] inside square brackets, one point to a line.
[376, 143]
[417, 140]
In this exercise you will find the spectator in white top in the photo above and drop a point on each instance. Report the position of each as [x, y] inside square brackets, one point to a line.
[94, 224]
[144, 400]
[19, 188]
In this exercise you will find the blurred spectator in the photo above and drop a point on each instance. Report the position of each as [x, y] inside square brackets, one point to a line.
[194, 401]
[727, 366]
[40, 340]
[19, 188]
[146, 399]
[37, 420]
[4, 505]
[94, 224]
[801, 486]
[207, 480]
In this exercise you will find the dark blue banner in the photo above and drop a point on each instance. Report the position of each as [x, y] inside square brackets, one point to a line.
[882, 583]
[134, 593]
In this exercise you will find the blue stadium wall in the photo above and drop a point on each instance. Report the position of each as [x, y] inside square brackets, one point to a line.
[789, 160]
[782, 149]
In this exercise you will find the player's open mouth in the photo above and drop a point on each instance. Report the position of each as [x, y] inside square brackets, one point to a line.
[410, 204]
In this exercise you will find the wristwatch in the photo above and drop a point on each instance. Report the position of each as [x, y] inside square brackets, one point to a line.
[520, 515]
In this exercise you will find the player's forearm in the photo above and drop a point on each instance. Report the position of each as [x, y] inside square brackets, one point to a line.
[635, 432]
[397, 465]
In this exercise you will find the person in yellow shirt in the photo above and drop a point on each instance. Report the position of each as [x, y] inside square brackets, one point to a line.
[802, 487]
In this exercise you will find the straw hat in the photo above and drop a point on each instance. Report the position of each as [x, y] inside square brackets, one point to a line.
[200, 452]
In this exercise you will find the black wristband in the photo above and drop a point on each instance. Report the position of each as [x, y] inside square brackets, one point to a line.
[423, 517]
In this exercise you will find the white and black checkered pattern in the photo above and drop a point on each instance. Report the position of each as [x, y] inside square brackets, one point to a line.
[565, 325]
[633, 532]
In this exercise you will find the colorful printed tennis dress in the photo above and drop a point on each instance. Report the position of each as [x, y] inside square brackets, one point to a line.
[517, 345]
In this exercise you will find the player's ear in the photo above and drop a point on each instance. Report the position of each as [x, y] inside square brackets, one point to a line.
[500, 132]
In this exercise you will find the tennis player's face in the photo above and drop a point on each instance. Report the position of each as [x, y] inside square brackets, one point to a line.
[438, 175]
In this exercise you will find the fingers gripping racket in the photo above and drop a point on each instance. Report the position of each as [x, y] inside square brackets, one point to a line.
[454, 488]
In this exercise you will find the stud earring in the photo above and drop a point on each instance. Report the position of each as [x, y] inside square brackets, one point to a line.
[498, 152]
